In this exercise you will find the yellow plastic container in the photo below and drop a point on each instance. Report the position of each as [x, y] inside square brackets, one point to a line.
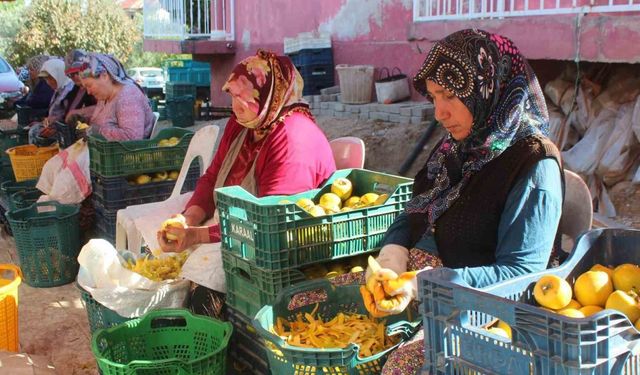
[27, 160]
[10, 279]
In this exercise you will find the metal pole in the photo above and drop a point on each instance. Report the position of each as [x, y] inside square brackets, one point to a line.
[418, 148]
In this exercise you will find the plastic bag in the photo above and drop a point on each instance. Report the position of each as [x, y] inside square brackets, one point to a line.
[65, 177]
[103, 275]
[558, 127]
[620, 151]
[583, 158]
[555, 90]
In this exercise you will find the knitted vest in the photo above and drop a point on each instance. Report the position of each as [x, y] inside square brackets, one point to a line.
[467, 233]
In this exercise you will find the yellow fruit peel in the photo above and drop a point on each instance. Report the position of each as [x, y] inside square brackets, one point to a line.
[159, 269]
[311, 331]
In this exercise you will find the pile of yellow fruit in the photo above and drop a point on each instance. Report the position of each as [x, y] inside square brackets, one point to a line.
[159, 269]
[169, 142]
[335, 268]
[307, 331]
[599, 288]
[145, 178]
[340, 200]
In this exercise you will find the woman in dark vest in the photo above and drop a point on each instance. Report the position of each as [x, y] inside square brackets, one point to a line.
[489, 199]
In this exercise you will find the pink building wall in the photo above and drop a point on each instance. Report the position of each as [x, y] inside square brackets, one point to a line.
[382, 33]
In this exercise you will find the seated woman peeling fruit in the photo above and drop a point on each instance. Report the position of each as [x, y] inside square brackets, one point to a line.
[270, 146]
[488, 201]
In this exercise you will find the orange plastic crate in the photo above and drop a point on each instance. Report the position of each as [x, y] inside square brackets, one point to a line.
[27, 161]
[10, 279]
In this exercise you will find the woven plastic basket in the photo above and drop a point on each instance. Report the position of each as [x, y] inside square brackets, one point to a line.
[99, 316]
[47, 238]
[27, 160]
[164, 342]
[10, 278]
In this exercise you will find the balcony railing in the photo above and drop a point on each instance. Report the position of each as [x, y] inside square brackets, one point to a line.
[441, 10]
[189, 19]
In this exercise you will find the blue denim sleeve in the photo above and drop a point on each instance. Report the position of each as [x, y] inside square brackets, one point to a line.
[527, 227]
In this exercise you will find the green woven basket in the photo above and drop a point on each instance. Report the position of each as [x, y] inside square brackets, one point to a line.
[99, 316]
[163, 342]
[285, 359]
[47, 238]
[24, 198]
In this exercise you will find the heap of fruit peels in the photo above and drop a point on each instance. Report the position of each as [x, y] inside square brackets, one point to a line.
[159, 269]
[344, 329]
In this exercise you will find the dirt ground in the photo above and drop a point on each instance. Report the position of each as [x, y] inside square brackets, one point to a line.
[53, 322]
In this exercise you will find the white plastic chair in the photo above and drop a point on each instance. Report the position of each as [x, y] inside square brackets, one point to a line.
[154, 129]
[577, 209]
[133, 221]
[348, 152]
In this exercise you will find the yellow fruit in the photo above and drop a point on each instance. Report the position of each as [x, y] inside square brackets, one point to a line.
[345, 209]
[305, 203]
[178, 221]
[330, 209]
[573, 305]
[505, 327]
[637, 325]
[552, 292]
[81, 126]
[316, 211]
[173, 175]
[163, 143]
[627, 277]
[143, 179]
[572, 313]
[624, 302]
[161, 176]
[369, 198]
[499, 332]
[381, 199]
[600, 267]
[174, 140]
[330, 200]
[342, 187]
[352, 201]
[590, 310]
[356, 269]
[593, 288]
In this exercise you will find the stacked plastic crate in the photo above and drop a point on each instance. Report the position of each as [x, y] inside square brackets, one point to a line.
[180, 100]
[313, 58]
[135, 172]
[270, 243]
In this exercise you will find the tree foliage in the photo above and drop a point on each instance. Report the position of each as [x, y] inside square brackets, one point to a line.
[11, 17]
[54, 27]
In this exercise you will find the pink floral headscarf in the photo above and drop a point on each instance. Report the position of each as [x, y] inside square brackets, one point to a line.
[269, 84]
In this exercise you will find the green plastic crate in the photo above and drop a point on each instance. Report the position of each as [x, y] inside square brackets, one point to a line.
[178, 89]
[11, 138]
[180, 111]
[10, 186]
[278, 236]
[99, 316]
[249, 287]
[163, 342]
[285, 359]
[110, 159]
[47, 238]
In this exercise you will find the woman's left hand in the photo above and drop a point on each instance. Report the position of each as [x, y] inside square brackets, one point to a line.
[185, 238]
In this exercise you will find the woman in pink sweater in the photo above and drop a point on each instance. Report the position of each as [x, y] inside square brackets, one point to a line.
[123, 112]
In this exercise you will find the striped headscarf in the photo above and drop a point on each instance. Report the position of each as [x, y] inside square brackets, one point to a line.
[494, 81]
[98, 63]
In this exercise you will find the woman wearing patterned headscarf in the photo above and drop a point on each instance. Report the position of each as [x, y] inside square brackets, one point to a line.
[488, 201]
[270, 146]
[123, 111]
[40, 92]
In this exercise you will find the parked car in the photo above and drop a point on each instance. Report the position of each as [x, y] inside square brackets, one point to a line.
[150, 79]
[10, 85]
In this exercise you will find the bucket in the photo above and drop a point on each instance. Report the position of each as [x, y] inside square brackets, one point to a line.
[356, 83]
[10, 278]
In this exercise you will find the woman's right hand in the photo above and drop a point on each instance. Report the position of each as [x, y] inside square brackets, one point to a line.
[185, 238]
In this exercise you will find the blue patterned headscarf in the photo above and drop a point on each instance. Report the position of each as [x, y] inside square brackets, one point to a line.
[494, 81]
[98, 63]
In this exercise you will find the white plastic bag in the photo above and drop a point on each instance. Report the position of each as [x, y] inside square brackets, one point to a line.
[126, 292]
[65, 177]
[584, 156]
[558, 127]
[620, 150]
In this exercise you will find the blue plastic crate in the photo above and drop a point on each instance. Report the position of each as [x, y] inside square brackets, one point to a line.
[246, 349]
[312, 56]
[543, 342]
[316, 77]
